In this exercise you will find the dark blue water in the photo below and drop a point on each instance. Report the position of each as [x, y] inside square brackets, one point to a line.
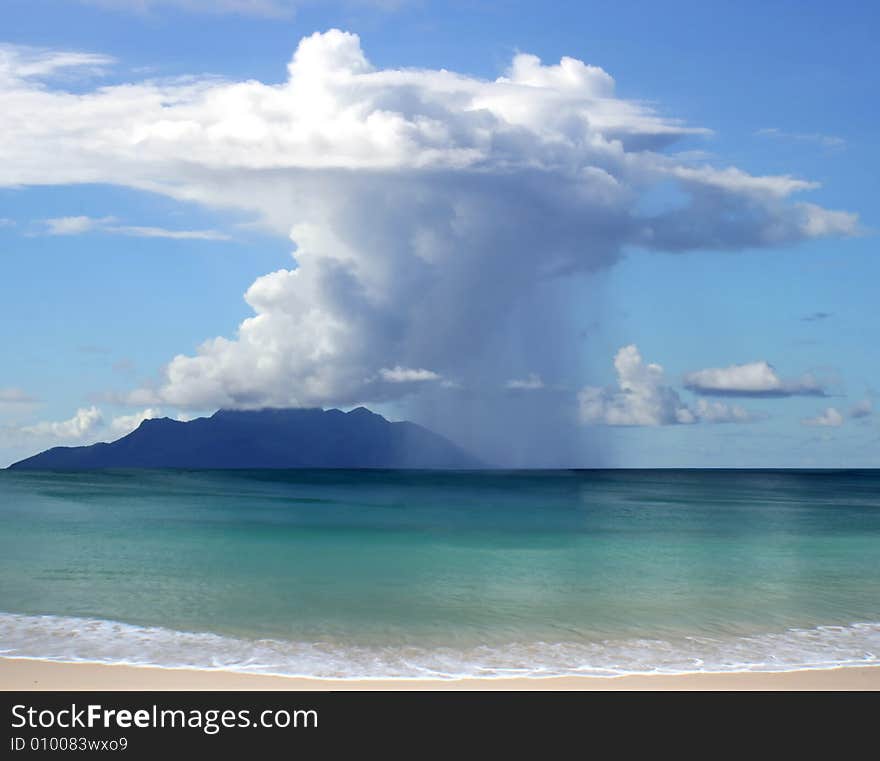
[358, 573]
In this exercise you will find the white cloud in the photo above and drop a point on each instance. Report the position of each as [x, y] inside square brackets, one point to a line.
[74, 225]
[22, 63]
[88, 425]
[82, 424]
[719, 412]
[125, 424]
[642, 398]
[161, 232]
[755, 379]
[818, 222]
[6, 222]
[736, 180]
[80, 225]
[531, 383]
[400, 374]
[425, 206]
[827, 141]
[830, 417]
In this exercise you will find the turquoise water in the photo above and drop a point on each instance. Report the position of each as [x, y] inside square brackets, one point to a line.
[400, 573]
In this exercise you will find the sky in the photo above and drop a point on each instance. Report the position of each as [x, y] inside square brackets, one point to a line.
[585, 234]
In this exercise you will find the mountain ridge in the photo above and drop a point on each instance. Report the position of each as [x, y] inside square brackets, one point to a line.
[271, 438]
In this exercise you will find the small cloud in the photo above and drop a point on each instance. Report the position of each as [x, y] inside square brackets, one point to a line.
[81, 225]
[829, 418]
[125, 424]
[83, 423]
[826, 141]
[6, 222]
[753, 379]
[38, 63]
[817, 316]
[532, 383]
[74, 225]
[161, 232]
[698, 155]
[719, 412]
[400, 374]
[12, 395]
[862, 409]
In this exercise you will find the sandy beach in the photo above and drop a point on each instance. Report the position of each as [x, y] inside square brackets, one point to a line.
[28, 674]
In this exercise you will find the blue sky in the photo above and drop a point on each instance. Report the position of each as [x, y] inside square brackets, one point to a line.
[128, 276]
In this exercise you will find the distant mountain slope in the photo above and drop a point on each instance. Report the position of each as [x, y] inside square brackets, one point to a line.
[269, 438]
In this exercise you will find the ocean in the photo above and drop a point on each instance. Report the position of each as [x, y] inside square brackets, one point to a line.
[443, 574]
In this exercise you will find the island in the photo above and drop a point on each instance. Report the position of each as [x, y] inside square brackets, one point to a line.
[265, 438]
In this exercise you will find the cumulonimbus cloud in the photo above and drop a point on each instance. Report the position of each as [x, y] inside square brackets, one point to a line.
[424, 205]
[753, 379]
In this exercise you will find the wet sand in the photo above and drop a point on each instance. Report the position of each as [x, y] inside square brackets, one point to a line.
[27, 674]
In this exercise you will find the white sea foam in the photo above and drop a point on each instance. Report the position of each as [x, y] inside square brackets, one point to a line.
[67, 639]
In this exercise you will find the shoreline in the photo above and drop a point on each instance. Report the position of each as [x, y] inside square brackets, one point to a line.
[31, 674]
